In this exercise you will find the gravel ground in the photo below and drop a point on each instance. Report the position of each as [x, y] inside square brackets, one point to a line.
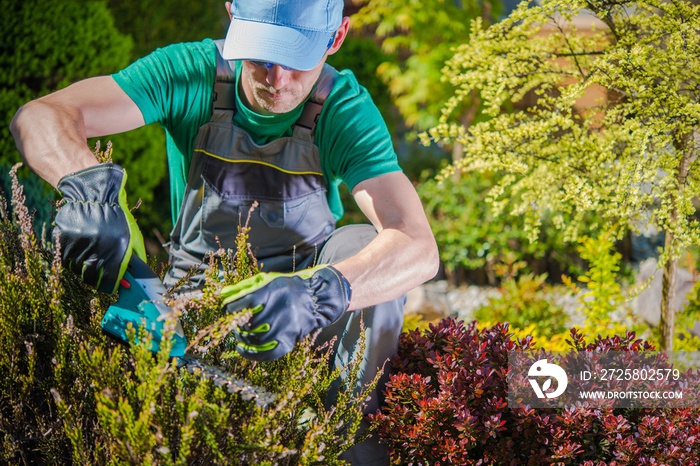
[437, 299]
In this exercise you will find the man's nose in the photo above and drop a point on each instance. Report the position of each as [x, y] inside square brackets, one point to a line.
[278, 77]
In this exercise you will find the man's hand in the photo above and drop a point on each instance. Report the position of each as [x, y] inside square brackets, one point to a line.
[95, 228]
[286, 307]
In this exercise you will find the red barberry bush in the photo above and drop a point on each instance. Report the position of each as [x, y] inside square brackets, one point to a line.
[446, 405]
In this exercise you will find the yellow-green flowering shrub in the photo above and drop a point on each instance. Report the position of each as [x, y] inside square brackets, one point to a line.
[628, 157]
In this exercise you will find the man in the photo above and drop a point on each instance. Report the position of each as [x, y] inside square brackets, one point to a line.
[258, 118]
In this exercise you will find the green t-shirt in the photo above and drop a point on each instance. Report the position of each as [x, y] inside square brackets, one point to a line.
[173, 86]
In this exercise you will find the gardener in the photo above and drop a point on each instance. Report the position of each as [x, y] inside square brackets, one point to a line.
[257, 118]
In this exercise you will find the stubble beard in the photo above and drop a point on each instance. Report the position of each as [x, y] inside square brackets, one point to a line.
[275, 100]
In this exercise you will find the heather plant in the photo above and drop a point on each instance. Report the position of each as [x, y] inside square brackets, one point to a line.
[446, 404]
[70, 395]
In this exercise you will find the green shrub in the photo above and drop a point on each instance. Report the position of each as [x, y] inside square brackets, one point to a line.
[522, 302]
[49, 45]
[603, 302]
[472, 235]
[69, 395]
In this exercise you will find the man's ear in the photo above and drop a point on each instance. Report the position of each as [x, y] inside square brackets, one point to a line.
[340, 35]
[228, 9]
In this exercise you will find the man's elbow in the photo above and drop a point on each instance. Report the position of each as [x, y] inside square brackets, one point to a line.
[25, 123]
[431, 258]
[16, 123]
[21, 125]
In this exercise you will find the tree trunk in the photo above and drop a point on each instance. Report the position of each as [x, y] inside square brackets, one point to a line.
[668, 291]
[457, 154]
[684, 145]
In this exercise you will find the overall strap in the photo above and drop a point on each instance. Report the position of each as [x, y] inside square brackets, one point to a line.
[305, 126]
[224, 96]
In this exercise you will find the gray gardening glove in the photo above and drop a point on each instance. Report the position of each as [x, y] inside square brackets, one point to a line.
[286, 307]
[95, 228]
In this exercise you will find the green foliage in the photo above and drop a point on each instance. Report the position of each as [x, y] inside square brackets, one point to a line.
[604, 293]
[69, 395]
[154, 24]
[525, 302]
[363, 56]
[49, 45]
[419, 36]
[472, 235]
[628, 159]
[627, 156]
[603, 301]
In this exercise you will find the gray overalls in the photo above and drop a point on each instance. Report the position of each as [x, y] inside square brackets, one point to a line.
[291, 228]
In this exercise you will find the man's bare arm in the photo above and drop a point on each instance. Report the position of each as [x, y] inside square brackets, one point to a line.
[403, 255]
[51, 132]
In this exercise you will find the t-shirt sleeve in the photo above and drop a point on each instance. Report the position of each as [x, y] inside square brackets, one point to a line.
[354, 135]
[173, 84]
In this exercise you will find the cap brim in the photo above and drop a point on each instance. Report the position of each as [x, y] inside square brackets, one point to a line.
[299, 50]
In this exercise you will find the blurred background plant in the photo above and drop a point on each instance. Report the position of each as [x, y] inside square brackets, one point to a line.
[474, 238]
[592, 114]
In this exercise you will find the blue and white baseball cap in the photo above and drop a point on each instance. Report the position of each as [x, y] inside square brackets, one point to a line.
[292, 33]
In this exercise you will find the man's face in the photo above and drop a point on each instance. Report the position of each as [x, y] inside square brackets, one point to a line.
[275, 89]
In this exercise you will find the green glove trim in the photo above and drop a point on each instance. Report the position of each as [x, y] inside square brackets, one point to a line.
[235, 292]
[256, 349]
[136, 243]
[262, 328]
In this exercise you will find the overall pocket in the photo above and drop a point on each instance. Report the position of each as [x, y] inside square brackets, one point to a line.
[279, 223]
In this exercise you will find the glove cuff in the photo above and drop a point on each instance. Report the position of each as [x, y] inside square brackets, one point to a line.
[97, 231]
[98, 183]
[347, 289]
[332, 291]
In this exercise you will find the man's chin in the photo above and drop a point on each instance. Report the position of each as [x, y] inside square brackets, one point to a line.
[277, 106]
